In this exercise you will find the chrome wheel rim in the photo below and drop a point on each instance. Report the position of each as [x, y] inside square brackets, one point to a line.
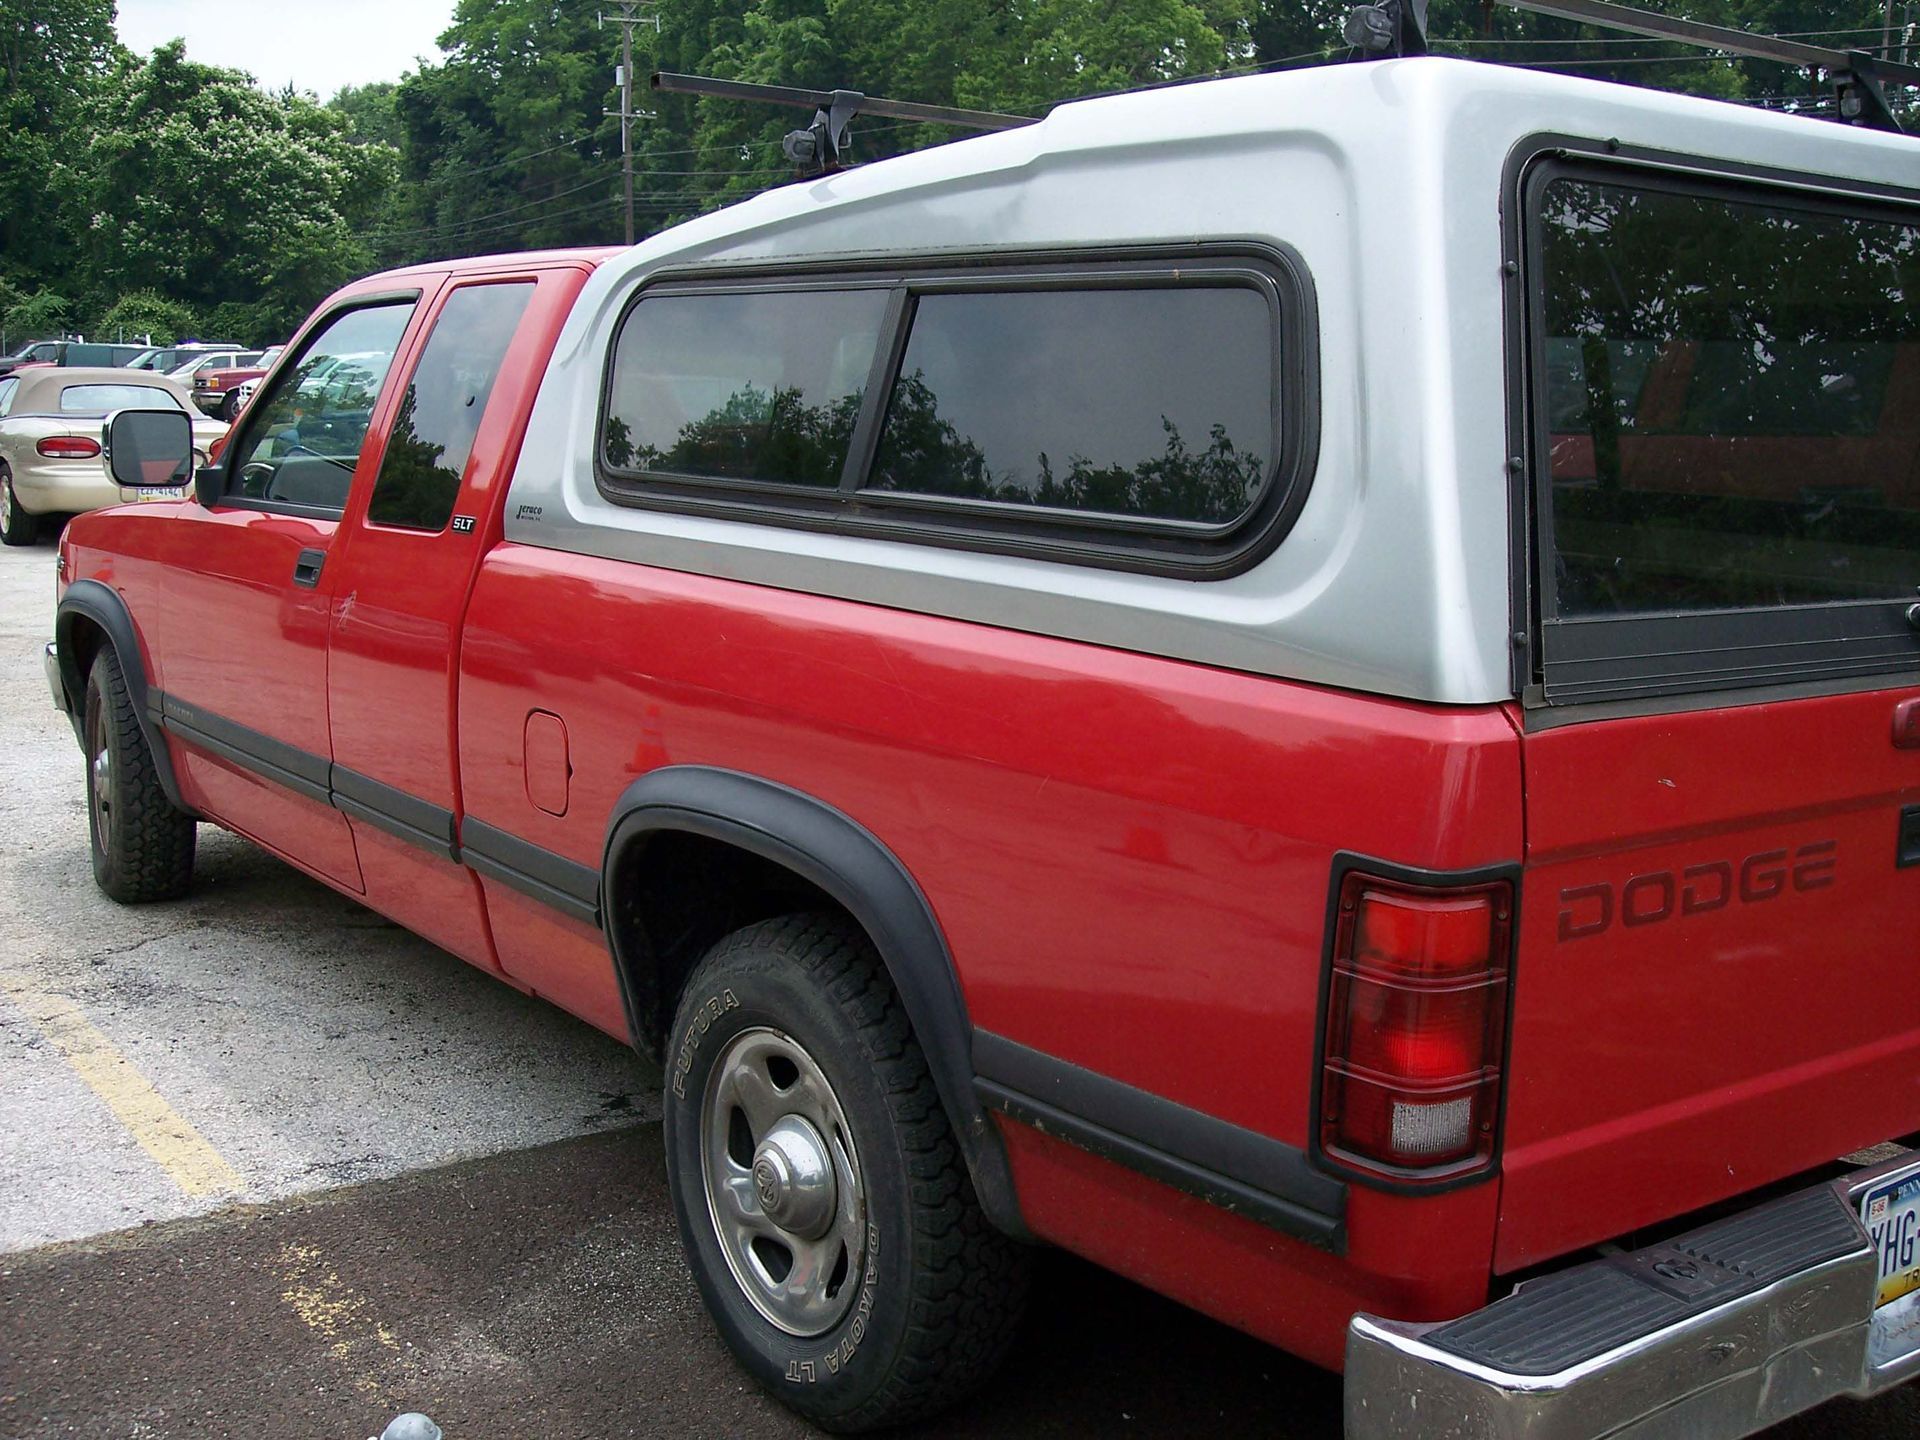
[783, 1182]
[100, 790]
[6, 502]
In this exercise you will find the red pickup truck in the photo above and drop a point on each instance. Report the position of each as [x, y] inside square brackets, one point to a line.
[1065, 690]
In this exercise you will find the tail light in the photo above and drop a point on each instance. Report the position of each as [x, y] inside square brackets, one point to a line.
[1416, 1026]
[68, 447]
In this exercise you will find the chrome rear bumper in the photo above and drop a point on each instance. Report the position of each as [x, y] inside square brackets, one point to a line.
[1718, 1333]
[50, 658]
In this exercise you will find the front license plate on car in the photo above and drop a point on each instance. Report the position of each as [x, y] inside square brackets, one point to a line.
[1891, 1210]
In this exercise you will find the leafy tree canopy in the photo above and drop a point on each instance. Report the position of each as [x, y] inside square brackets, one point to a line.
[121, 174]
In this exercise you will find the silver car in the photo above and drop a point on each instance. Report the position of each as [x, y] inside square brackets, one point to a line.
[50, 423]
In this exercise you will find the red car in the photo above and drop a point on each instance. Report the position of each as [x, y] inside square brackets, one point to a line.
[1076, 687]
[217, 391]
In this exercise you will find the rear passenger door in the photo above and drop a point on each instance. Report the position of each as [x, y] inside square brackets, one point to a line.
[248, 588]
[413, 540]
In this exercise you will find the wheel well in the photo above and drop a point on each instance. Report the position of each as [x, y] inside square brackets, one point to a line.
[674, 895]
[82, 642]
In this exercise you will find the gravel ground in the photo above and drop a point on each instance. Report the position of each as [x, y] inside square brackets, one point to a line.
[406, 1186]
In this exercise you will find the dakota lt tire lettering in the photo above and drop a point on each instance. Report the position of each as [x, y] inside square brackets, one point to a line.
[1588, 910]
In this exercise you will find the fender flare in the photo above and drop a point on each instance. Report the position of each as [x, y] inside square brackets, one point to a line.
[102, 606]
[844, 859]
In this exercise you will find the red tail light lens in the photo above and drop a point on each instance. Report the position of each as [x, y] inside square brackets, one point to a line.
[1416, 1022]
[68, 447]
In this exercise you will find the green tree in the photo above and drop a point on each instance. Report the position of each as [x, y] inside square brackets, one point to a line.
[52, 55]
[192, 181]
[41, 315]
[145, 312]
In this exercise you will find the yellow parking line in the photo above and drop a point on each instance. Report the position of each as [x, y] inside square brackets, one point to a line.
[179, 1149]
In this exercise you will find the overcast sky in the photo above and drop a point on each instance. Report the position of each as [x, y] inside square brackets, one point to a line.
[320, 45]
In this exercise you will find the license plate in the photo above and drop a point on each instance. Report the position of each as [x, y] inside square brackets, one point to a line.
[161, 492]
[1891, 1211]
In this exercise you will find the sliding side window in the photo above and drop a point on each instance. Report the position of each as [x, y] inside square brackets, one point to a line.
[1728, 435]
[1138, 414]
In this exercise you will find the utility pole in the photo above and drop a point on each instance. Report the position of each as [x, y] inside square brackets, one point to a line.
[627, 14]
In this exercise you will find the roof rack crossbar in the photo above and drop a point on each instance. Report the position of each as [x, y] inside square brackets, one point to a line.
[822, 146]
[1857, 77]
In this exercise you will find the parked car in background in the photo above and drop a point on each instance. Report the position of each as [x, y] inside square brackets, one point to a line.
[70, 352]
[195, 365]
[167, 358]
[217, 390]
[50, 450]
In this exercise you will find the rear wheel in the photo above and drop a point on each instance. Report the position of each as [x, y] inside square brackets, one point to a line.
[17, 527]
[142, 844]
[821, 1195]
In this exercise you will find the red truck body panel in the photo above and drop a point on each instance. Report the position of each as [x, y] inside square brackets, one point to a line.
[1716, 958]
[1128, 856]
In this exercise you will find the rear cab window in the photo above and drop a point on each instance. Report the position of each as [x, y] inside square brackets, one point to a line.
[103, 399]
[1727, 433]
[1137, 414]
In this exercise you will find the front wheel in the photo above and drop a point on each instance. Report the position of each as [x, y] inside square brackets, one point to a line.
[822, 1198]
[142, 844]
[17, 526]
[230, 408]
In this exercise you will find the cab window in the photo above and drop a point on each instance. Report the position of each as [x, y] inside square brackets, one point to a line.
[445, 400]
[303, 442]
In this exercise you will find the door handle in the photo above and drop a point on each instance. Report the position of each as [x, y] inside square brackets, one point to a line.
[306, 569]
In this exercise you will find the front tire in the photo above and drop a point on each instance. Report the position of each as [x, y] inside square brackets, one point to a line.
[230, 409]
[822, 1199]
[17, 526]
[142, 845]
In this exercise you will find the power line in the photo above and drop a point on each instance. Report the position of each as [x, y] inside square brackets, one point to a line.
[490, 214]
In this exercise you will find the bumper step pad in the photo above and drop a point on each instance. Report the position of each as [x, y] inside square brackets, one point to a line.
[1575, 1316]
[1713, 1335]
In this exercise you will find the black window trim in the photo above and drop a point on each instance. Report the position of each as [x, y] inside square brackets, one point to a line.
[1186, 549]
[1694, 645]
[315, 327]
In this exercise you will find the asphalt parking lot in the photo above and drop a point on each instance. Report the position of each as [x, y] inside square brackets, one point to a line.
[272, 1167]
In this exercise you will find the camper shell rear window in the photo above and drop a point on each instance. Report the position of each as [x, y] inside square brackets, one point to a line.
[1146, 413]
[1725, 385]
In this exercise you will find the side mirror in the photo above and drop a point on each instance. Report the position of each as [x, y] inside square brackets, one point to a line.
[210, 484]
[149, 449]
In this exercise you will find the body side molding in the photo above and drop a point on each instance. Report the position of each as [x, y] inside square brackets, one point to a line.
[98, 604]
[1239, 1170]
[552, 879]
[844, 859]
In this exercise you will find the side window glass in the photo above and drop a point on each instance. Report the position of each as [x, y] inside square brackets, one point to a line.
[441, 411]
[7, 387]
[304, 440]
[762, 387]
[1154, 403]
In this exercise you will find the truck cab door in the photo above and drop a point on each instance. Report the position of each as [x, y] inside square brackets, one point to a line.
[248, 586]
[412, 545]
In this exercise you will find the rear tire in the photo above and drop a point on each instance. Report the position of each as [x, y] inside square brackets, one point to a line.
[142, 844]
[17, 526]
[822, 1198]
